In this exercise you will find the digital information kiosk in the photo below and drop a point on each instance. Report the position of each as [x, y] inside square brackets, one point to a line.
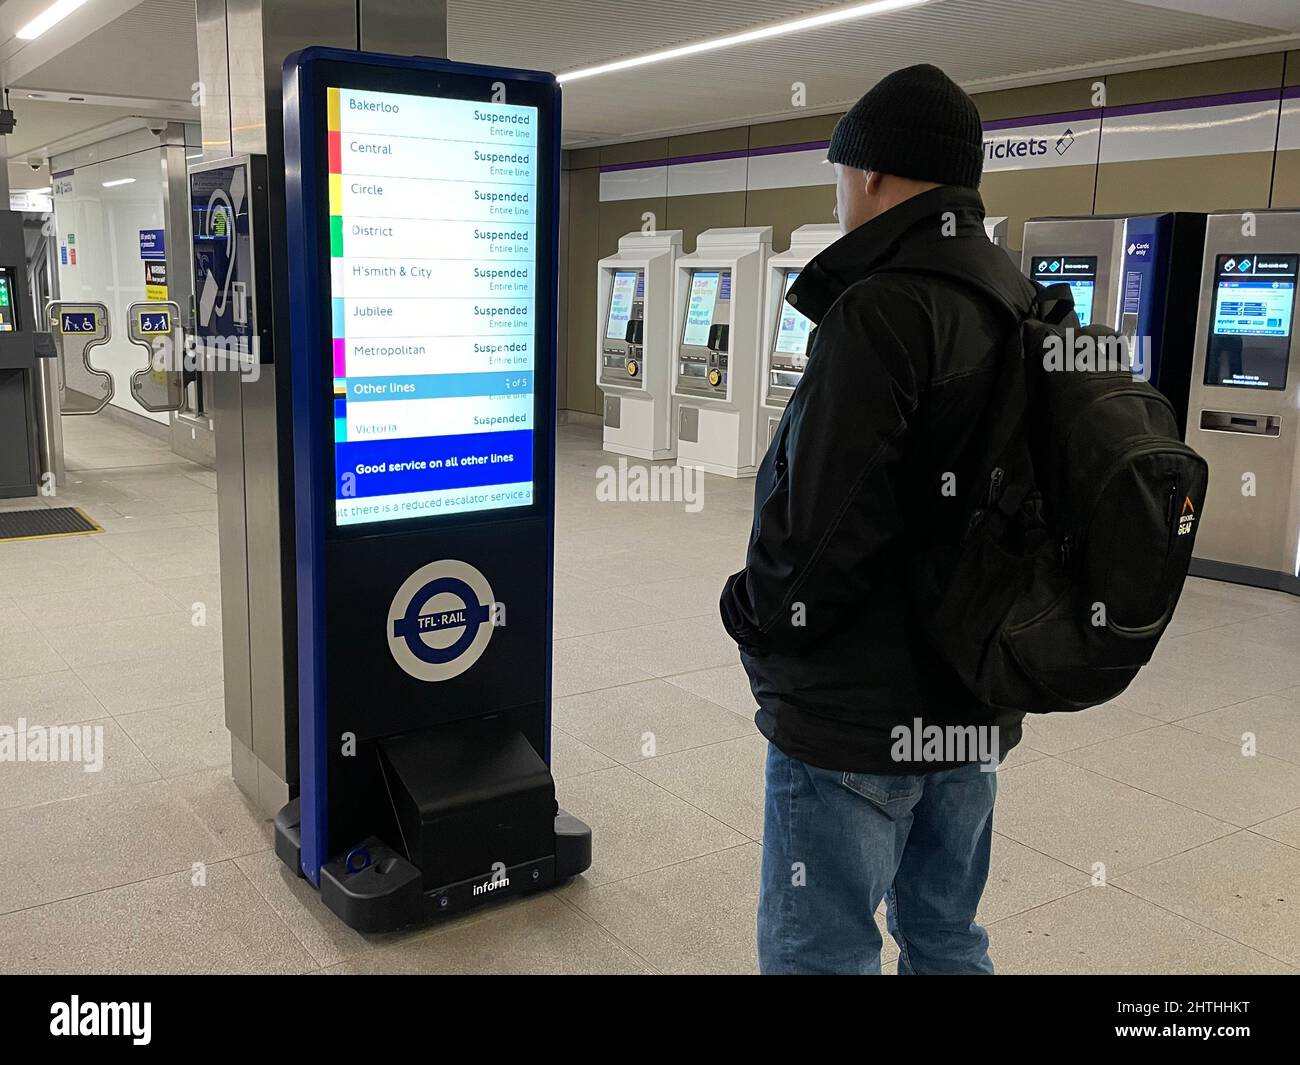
[422, 200]
[634, 341]
[1244, 400]
[1137, 274]
[717, 304]
[786, 332]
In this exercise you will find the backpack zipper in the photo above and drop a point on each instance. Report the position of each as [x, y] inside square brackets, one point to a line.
[995, 485]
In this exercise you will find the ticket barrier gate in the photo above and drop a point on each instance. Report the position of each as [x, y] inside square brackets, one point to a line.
[78, 327]
[157, 327]
[78, 387]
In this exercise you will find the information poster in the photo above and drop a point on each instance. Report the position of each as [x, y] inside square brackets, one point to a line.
[433, 223]
[222, 241]
[155, 281]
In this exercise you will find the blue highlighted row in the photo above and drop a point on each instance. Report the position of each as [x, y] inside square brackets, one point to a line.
[440, 386]
[364, 468]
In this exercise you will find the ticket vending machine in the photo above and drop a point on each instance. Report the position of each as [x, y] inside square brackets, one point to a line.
[998, 229]
[634, 339]
[1137, 274]
[717, 307]
[25, 354]
[1245, 398]
[422, 200]
[786, 332]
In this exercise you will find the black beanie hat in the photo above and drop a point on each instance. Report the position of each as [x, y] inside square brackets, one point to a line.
[916, 123]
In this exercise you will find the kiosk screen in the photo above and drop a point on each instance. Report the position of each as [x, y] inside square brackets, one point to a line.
[792, 328]
[699, 308]
[1250, 333]
[621, 294]
[7, 322]
[432, 230]
[1077, 271]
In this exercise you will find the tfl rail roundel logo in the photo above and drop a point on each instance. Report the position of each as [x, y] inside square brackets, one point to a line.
[441, 620]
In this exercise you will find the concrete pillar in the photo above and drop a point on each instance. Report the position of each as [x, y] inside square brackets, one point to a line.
[242, 44]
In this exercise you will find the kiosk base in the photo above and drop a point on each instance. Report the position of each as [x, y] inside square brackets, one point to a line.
[648, 454]
[476, 819]
[1232, 573]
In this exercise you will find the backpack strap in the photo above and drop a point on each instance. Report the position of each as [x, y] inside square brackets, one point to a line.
[1055, 302]
[1009, 405]
[1004, 418]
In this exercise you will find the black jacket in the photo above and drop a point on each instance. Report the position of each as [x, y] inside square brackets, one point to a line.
[897, 384]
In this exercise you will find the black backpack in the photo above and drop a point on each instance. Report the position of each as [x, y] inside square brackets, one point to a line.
[1078, 540]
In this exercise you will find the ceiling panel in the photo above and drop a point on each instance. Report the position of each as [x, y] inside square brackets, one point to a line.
[981, 43]
[150, 51]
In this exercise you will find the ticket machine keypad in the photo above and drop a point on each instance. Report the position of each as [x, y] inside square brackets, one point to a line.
[719, 341]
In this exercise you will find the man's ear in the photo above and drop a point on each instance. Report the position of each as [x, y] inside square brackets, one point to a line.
[873, 180]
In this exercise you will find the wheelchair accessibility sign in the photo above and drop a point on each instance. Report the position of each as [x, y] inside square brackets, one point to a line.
[441, 620]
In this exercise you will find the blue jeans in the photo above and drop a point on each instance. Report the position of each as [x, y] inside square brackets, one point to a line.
[835, 844]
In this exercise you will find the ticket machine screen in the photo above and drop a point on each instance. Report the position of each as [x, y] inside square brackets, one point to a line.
[792, 328]
[7, 321]
[621, 294]
[1077, 271]
[433, 224]
[700, 304]
[1250, 334]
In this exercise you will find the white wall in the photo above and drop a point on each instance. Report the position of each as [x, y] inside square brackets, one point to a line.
[105, 224]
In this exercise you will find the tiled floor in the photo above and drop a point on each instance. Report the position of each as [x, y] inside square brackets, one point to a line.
[156, 863]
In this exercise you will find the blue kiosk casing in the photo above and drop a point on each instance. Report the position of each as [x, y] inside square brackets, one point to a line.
[1158, 297]
[423, 216]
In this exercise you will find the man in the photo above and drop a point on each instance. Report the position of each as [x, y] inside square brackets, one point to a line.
[914, 311]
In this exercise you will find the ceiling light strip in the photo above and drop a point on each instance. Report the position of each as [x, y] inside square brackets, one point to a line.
[51, 16]
[777, 29]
